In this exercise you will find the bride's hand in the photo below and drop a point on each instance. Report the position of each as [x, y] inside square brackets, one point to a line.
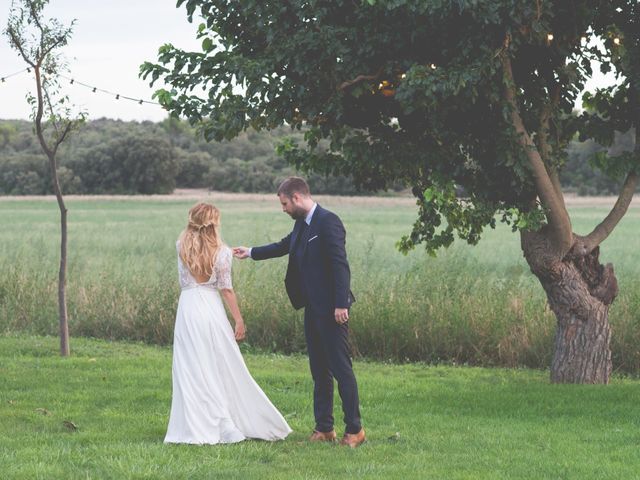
[240, 331]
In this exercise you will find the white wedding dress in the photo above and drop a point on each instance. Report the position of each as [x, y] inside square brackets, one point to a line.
[215, 399]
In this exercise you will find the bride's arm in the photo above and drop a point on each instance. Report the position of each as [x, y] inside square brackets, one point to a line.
[230, 299]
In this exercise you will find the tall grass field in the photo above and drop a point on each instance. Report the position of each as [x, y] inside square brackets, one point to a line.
[470, 305]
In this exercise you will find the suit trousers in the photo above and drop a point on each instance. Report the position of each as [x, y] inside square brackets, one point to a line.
[329, 358]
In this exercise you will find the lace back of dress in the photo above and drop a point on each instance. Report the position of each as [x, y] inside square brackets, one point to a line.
[220, 277]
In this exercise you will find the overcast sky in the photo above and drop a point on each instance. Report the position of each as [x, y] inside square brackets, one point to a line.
[110, 41]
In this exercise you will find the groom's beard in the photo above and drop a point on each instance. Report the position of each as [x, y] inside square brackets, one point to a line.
[298, 214]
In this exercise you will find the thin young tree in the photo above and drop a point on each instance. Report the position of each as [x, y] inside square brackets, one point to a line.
[38, 41]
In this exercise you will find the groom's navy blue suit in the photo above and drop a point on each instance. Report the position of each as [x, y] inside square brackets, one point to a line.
[318, 278]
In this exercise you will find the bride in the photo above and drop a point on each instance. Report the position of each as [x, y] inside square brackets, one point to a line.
[215, 399]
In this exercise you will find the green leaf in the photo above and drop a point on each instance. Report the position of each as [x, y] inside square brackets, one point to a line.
[207, 44]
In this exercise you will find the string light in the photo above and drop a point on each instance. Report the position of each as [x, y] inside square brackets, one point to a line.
[403, 76]
[6, 77]
[616, 41]
[433, 66]
[73, 81]
[549, 37]
[386, 88]
[117, 96]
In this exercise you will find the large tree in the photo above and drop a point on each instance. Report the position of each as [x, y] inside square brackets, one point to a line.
[38, 40]
[440, 94]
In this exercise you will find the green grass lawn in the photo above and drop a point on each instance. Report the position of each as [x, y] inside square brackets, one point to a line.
[422, 422]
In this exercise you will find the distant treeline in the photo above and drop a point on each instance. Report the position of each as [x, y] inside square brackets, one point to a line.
[578, 176]
[115, 157]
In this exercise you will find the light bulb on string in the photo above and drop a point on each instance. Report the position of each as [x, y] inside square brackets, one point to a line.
[72, 81]
[386, 88]
[616, 40]
[549, 37]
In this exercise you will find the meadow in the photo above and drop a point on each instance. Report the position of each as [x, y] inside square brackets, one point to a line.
[102, 414]
[469, 305]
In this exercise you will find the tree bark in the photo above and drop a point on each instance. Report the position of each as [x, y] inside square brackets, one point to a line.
[549, 193]
[579, 291]
[62, 272]
[62, 275]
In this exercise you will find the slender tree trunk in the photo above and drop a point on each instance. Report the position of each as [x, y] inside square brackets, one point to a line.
[62, 282]
[579, 291]
[53, 166]
[62, 272]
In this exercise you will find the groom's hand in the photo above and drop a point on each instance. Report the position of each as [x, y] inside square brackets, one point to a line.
[342, 315]
[241, 252]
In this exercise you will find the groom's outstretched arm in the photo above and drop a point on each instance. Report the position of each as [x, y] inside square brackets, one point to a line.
[277, 249]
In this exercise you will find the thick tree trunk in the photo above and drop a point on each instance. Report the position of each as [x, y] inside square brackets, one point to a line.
[579, 290]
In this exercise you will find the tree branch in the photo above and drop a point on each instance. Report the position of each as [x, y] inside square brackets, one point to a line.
[543, 140]
[52, 113]
[604, 229]
[18, 44]
[45, 35]
[360, 78]
[34, 14]
[60, 139]
[52, 47]
[39, 113]
[557, 216]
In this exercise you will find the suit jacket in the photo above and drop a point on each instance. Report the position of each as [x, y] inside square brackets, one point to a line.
[318, 272]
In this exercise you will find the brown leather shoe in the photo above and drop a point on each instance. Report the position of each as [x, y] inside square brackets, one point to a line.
[317, 436]
[354, 439]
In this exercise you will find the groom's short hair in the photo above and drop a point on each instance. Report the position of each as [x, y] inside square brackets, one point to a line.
[292, 185]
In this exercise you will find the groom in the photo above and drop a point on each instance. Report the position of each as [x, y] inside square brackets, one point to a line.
[318, 279]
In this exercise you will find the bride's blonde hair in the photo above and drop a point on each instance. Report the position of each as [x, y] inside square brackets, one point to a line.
[201, 241]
